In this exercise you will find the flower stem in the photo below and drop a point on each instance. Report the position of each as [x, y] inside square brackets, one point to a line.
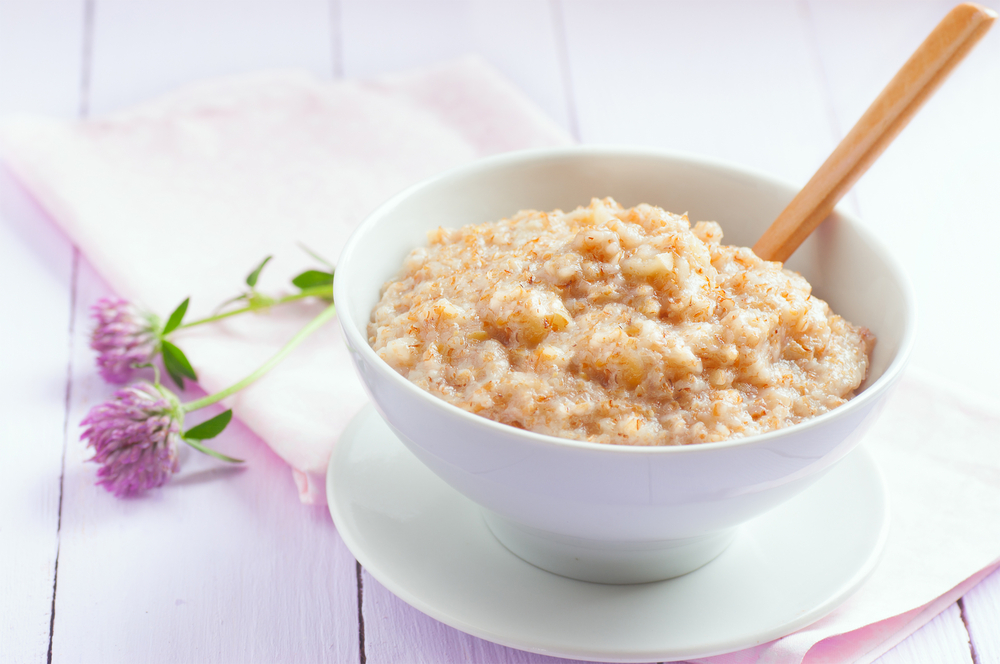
[313, 325]
[315, 291]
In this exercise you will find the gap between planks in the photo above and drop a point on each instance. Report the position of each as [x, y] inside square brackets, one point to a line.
[361, 616]
[562, 50]
[968, 632]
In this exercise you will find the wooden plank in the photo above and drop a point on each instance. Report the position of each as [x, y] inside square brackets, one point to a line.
[148, 48]
[518, 38]
[222, 564]
[36, 263]
[941, 641]
[931, 196]
[41, 45]
[981, 612]
[383, 36]
[949, 147]
[667, 75]
[40, 67]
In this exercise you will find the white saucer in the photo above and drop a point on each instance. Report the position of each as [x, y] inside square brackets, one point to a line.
[429, 545]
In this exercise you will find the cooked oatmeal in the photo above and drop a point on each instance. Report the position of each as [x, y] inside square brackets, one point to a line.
[612, 325]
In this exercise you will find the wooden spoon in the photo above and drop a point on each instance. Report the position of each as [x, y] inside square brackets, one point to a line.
[912, 85]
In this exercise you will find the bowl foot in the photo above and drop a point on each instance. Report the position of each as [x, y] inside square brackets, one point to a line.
[607, 562]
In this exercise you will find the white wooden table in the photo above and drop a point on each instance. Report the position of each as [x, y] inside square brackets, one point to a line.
[226, 565]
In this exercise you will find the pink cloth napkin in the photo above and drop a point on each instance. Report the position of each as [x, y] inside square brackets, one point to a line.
[185, 195]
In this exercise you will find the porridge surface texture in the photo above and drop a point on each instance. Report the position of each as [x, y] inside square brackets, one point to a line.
[612, 325]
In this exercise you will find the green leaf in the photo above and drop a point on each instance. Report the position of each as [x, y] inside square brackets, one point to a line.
[311, 278]
[210, 428]
[175, 318]
[176, 364]
[315, 255]
[252, 277]
[210, 452]
[177, 378]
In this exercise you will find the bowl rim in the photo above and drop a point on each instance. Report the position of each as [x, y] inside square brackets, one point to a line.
[359, 343]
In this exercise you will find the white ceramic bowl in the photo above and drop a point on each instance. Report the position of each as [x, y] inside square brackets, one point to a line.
[618, 514]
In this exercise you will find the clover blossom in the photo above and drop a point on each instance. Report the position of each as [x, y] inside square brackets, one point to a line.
[136, 434]
[135, 437]
[124, 338]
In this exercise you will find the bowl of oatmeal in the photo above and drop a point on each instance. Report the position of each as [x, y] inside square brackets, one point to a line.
[579, 341]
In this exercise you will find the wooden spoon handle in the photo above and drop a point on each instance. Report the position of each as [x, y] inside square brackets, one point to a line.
[929, 65]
